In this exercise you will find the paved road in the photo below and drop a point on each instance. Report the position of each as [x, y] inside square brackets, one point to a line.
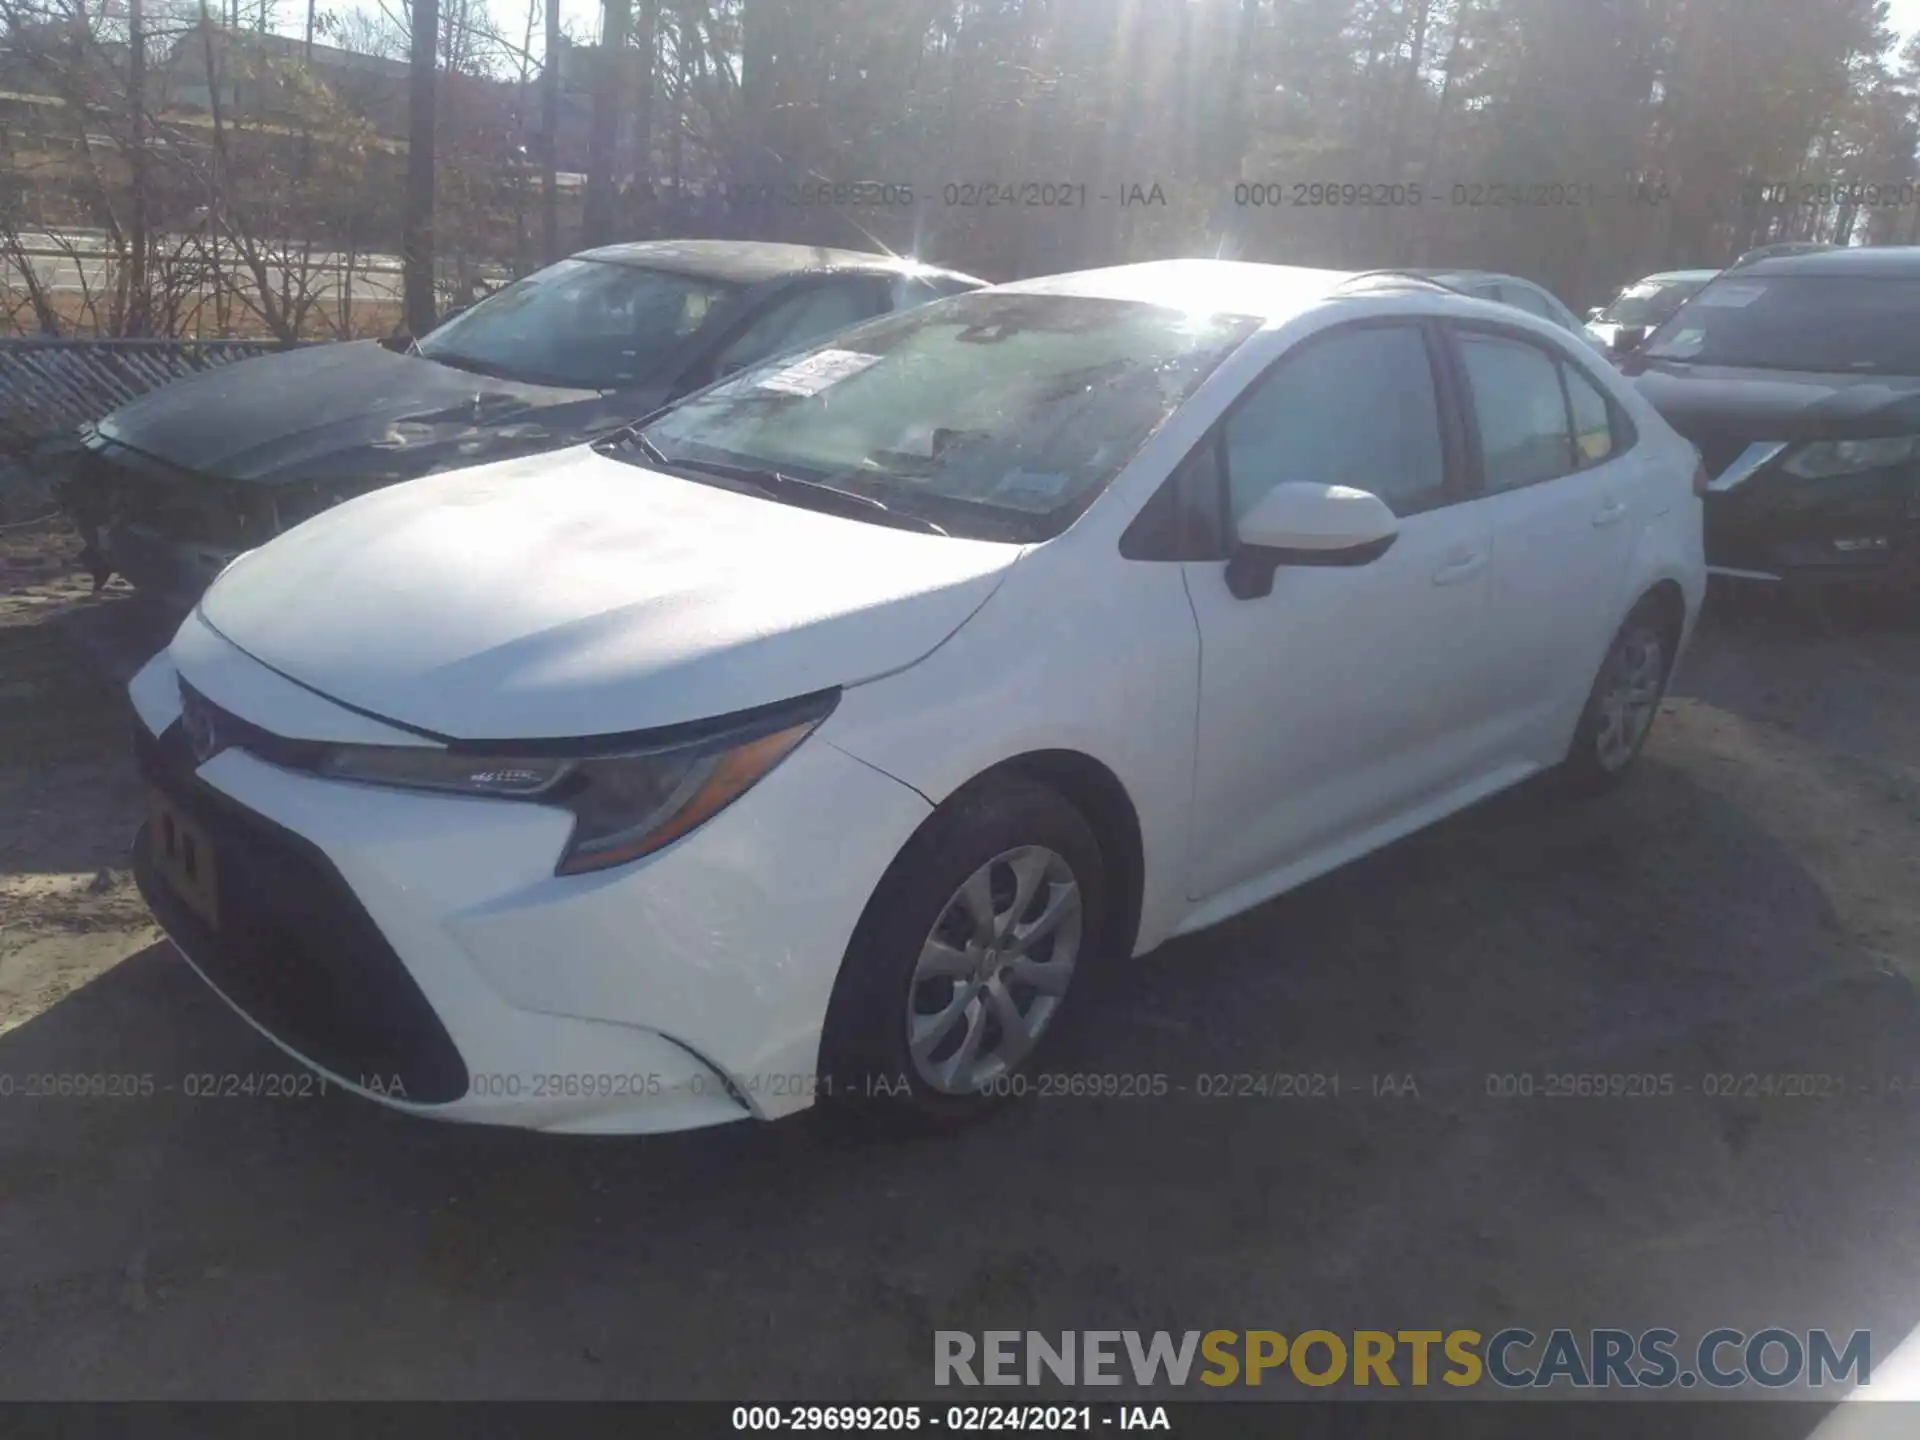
[1746, 906]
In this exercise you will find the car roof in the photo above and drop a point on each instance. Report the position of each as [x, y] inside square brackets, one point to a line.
[1438, 273]
[1676, 277]
[1450, 277]
[1238, 287]
[1884, 260]
[752, 262]
[1241, 287]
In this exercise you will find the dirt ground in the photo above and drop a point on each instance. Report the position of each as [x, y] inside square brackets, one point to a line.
[1747, 906]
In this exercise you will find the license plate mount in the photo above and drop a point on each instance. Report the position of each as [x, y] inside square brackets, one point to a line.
[182, 853]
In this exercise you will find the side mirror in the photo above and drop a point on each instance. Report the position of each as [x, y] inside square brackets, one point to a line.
[1296, 524]
[1627, 339]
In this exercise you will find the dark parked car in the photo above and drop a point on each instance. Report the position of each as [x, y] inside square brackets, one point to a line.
[1622, 323]
[1783, 247]
[173, 485]
[1798, 379]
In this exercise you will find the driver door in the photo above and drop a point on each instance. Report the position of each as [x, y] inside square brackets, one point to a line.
[1349, 696]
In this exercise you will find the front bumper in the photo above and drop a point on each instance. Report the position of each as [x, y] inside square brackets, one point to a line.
[1866, 557]
[419, 950]
[168, 531]
[1854, 531]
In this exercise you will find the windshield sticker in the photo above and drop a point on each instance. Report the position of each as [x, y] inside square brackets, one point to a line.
[815, 373]
[1729, 295]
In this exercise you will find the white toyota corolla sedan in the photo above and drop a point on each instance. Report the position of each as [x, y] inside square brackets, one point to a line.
[813, 740]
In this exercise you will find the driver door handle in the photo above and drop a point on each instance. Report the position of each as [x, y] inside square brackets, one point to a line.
[1613, 511]
[1460, 568]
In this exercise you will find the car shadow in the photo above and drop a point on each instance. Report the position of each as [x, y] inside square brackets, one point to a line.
[1417, 1174]
[69, 798]
[1846, 677]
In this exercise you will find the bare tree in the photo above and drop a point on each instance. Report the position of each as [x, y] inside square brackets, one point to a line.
[550, 138]
[609, 93]
[417, 246]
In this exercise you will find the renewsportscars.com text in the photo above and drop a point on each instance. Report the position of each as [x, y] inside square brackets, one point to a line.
[1513, 1358]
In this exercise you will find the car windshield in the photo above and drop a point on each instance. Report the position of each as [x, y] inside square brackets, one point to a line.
[998, 416]
[588, 324]
[1836, 323]
[1650, 302]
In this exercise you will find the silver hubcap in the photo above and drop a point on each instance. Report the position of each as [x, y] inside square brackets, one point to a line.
[993, 970]
[1632, 690]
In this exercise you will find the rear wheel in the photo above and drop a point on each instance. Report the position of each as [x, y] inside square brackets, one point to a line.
[958, 974]
[1625, 698]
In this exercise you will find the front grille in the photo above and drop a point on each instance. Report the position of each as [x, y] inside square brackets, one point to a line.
[294, 948]
[182, 505]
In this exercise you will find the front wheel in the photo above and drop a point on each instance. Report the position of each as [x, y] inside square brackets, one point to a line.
[957, 975]
[1620, 708]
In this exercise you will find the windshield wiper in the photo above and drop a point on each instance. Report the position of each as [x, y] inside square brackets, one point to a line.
[461, 362]
[631, 435]
[775, 483]
[779, 484]
[502, 372]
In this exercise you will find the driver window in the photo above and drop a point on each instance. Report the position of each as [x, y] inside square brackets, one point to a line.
[816, 311]
[1356, 407]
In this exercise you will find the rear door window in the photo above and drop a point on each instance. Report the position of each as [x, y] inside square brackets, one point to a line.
[1593, 438]
[1525, 436]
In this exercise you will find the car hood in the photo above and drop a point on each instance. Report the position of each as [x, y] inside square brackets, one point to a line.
[1778, 404]
[574, 594]
[355, 411]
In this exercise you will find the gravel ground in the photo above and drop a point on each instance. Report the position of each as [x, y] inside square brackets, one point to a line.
[1747, 906]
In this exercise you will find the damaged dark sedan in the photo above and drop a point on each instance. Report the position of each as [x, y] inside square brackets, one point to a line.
[170, 487]
[1798, 380]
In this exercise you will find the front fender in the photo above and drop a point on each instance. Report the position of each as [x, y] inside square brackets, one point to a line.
[1101, 660]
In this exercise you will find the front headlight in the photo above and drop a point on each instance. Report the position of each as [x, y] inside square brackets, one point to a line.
[1823, 459]
[422, 768]
[626, 802]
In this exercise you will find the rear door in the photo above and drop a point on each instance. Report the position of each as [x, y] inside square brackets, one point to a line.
[1563, 490]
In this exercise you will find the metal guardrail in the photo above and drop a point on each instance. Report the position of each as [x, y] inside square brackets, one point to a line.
[49, 387]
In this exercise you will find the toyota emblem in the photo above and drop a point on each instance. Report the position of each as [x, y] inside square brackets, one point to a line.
[202, 734]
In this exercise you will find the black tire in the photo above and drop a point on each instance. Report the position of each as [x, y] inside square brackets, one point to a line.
[1585, 771]
[868, 1071]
